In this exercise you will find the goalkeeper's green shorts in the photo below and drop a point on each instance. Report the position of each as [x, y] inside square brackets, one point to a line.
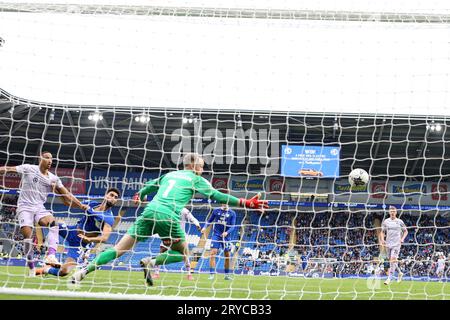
[152, 222]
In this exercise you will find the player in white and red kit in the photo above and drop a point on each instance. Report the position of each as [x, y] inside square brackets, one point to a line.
[36, 184]
[396, 233]
[440, 266]
[186, 216]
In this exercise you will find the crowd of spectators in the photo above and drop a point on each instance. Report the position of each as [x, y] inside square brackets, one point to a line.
[8, 206]
[9, 226]
[347, 239]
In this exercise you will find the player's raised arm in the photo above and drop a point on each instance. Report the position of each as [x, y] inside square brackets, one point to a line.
[150, 187]
[204, 187]
[68, 198]
[21, 169]
[190, 217]
[254, 203]
[106, 232]
[6, 169]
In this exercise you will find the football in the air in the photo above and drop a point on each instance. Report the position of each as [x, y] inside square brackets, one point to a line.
[358, 177]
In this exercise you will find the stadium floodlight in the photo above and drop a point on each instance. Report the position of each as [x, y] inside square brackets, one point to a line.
[335, 126]
[239, 121]
[434, 127]
[191, 119]
[143, 118]
[96, 116]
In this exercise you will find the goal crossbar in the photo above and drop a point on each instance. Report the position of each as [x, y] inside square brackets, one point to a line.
[207, 12]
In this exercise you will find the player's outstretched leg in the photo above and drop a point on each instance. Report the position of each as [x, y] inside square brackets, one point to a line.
[155, 274]
[212, 263]
[226, 253]
[400, 277]
[28, 249]
[53, 239]
[125, 244]
[399, 270]
[103, 258]
[187, 264]
[147, 264]
[175, 254]
[392, 268]
[63, 271]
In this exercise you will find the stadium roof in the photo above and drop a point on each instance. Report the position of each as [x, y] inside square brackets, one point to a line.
[383, 145]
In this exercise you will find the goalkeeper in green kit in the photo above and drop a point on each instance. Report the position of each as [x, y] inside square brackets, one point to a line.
[162, 216]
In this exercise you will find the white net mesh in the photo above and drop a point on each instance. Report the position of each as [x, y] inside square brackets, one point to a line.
[118, 92]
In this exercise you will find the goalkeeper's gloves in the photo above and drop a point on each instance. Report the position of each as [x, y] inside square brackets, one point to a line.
[254, 203]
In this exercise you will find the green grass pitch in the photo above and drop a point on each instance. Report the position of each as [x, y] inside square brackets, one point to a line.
[241, 287]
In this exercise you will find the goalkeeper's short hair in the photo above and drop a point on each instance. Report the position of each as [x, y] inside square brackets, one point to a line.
[191, 158]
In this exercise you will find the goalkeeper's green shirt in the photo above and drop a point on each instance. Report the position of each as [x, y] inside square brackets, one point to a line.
[176, 189]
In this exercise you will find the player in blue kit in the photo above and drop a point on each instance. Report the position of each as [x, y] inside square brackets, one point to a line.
[304, 257]
[224, 223]
[94, 227]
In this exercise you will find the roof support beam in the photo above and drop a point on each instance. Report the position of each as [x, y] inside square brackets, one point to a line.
[158, 143]
[76, 135]
[18, 126]
[114, 141]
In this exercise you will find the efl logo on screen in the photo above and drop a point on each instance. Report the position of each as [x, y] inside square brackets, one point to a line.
[378, 190]
[439, 192]
[220, 183]
[276, 185]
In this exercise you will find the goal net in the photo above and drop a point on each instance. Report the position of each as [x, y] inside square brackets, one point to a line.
[281, 98]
